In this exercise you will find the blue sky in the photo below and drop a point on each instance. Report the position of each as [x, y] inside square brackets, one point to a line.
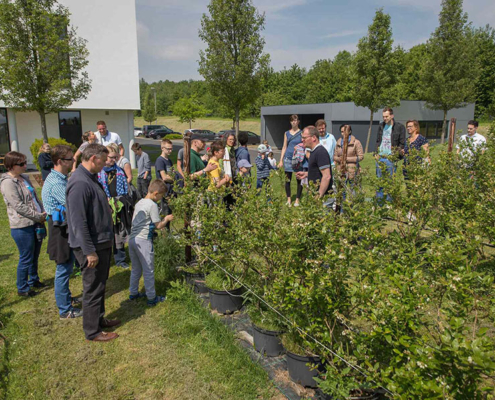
[296, 31]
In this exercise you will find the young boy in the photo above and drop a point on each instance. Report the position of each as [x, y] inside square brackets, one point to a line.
[263, 166]
[217, 179]
[145, 220]
[144, 169]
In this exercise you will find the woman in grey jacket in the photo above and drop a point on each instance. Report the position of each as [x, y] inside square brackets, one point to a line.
[26, 218]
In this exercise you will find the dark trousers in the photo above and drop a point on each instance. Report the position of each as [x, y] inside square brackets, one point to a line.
[142, 186]
[94, 281]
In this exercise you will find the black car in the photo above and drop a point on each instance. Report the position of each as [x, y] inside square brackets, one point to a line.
[148, 128]
[161, 133]
[204, 133]
[253, 138]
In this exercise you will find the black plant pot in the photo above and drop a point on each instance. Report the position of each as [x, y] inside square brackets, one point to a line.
[197, 281]
[371, 396]
[301, 373]
[226, 302]
[267, 342]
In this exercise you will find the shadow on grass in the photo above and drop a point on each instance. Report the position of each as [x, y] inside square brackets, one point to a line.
[4, 257]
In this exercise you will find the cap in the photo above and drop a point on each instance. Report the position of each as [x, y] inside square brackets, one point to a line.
[197, 137]
[262, 148]
[243, 164]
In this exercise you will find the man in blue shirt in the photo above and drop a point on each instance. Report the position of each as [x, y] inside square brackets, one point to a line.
[391, 138]
[327, 140]
[53, 194]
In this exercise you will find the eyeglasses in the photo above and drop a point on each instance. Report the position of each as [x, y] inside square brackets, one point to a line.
[67, 159]
[112, 158]
[168, 148]
[305, 137]
[22, 164]
[410, 126]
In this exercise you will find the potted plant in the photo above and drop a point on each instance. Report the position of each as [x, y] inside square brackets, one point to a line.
[225, 293]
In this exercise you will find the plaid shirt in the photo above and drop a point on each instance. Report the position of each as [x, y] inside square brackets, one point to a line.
[53, 192]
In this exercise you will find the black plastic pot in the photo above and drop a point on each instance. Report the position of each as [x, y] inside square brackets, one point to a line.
[197, 281]
[267, 342]
[301, 373]
[226, 302]
[372, 396]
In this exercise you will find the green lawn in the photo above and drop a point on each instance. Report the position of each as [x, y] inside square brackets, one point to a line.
[176, 350]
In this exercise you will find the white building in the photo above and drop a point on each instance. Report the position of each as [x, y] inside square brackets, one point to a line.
[109, 27]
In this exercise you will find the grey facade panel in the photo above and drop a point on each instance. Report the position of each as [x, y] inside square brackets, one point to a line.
[275, 119]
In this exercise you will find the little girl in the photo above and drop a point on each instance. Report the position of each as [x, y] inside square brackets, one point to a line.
[272, 160]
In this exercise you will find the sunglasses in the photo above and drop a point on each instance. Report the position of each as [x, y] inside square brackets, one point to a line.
[22, 164]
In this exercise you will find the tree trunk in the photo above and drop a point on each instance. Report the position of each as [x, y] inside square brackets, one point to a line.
[369, 133]
[237, 122]
[444, 126]
[190, 122]
[43, 126]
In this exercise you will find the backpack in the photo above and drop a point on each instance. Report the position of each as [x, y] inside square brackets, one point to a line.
[298, 157]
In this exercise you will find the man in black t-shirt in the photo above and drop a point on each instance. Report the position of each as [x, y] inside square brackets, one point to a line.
[319, 166]
[164, 169]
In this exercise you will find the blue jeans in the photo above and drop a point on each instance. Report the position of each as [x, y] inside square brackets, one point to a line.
[29, 251]
[391, 168]
[260, 182]
[63, 296]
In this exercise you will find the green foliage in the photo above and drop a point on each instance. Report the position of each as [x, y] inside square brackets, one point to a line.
[410, 78]
[233, 61]
[42, 60]
[35, 147]
[484, 39]
[376, 69]
[188, 109]
[450, 70]
[169, 255]
[148, 112]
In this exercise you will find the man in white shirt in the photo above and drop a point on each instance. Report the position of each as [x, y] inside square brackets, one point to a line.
[471, 143]
[105, 137]
[327, 140]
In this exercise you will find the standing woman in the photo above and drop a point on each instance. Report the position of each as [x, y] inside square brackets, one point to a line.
[26, 219]
[229, 164]
[88, 138]
[414, 141]
[122, 162]
[291, 139]
[45, 160]
[355, 154]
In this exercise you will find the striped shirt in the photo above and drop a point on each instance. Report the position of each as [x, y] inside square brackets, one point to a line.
[263, 167]
[53, 192]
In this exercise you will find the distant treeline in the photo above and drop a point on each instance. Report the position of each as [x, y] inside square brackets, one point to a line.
[331, 81]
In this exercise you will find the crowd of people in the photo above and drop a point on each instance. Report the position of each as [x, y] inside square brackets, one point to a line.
[93, 210]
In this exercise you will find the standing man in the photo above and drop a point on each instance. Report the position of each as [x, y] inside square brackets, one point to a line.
[144, 169]
[89, 220]
[197, 166]
[471, 143]
[105, 137]
[319, 165]
[391, 138]
[327, 140]
[53, 195]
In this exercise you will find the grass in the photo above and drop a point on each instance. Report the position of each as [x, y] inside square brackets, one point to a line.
[176, 350]
[214, 124]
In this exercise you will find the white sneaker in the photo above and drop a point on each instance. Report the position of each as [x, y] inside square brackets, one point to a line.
[297, 204]
[288, 204]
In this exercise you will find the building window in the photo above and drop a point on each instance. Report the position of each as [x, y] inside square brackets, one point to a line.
[4, 132]
[70, 126]
[431, 129]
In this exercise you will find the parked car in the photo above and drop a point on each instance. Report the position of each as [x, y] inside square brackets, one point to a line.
[160, 133]
[253, 138]
[204, 133]
[148, 128]
[137, 131]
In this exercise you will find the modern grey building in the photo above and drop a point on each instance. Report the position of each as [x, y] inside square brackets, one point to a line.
[275, 119]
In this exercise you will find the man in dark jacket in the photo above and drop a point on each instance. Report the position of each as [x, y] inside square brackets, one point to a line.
[90, 226]
[391, 138]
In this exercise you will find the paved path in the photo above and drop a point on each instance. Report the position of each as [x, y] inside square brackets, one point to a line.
[178, 144]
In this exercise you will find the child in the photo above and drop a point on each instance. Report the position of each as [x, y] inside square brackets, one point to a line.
[144, 169]
[268, 147]
[145, 220]
[217, 179]
[272, 160]
[263, 166]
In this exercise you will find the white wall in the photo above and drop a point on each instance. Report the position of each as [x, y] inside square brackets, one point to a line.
[28, 127]
[109, 26]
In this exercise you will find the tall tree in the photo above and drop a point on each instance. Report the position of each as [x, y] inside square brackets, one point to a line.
[410, 77]
[42, 60]
[149, 114]
[188, 109]
[451, 69]
[233, 60]
[485, 87]
[376, 68]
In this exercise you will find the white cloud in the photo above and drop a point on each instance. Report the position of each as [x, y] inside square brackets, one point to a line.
[344, 34]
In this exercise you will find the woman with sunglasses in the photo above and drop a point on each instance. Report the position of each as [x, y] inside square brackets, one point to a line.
[26, 219]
